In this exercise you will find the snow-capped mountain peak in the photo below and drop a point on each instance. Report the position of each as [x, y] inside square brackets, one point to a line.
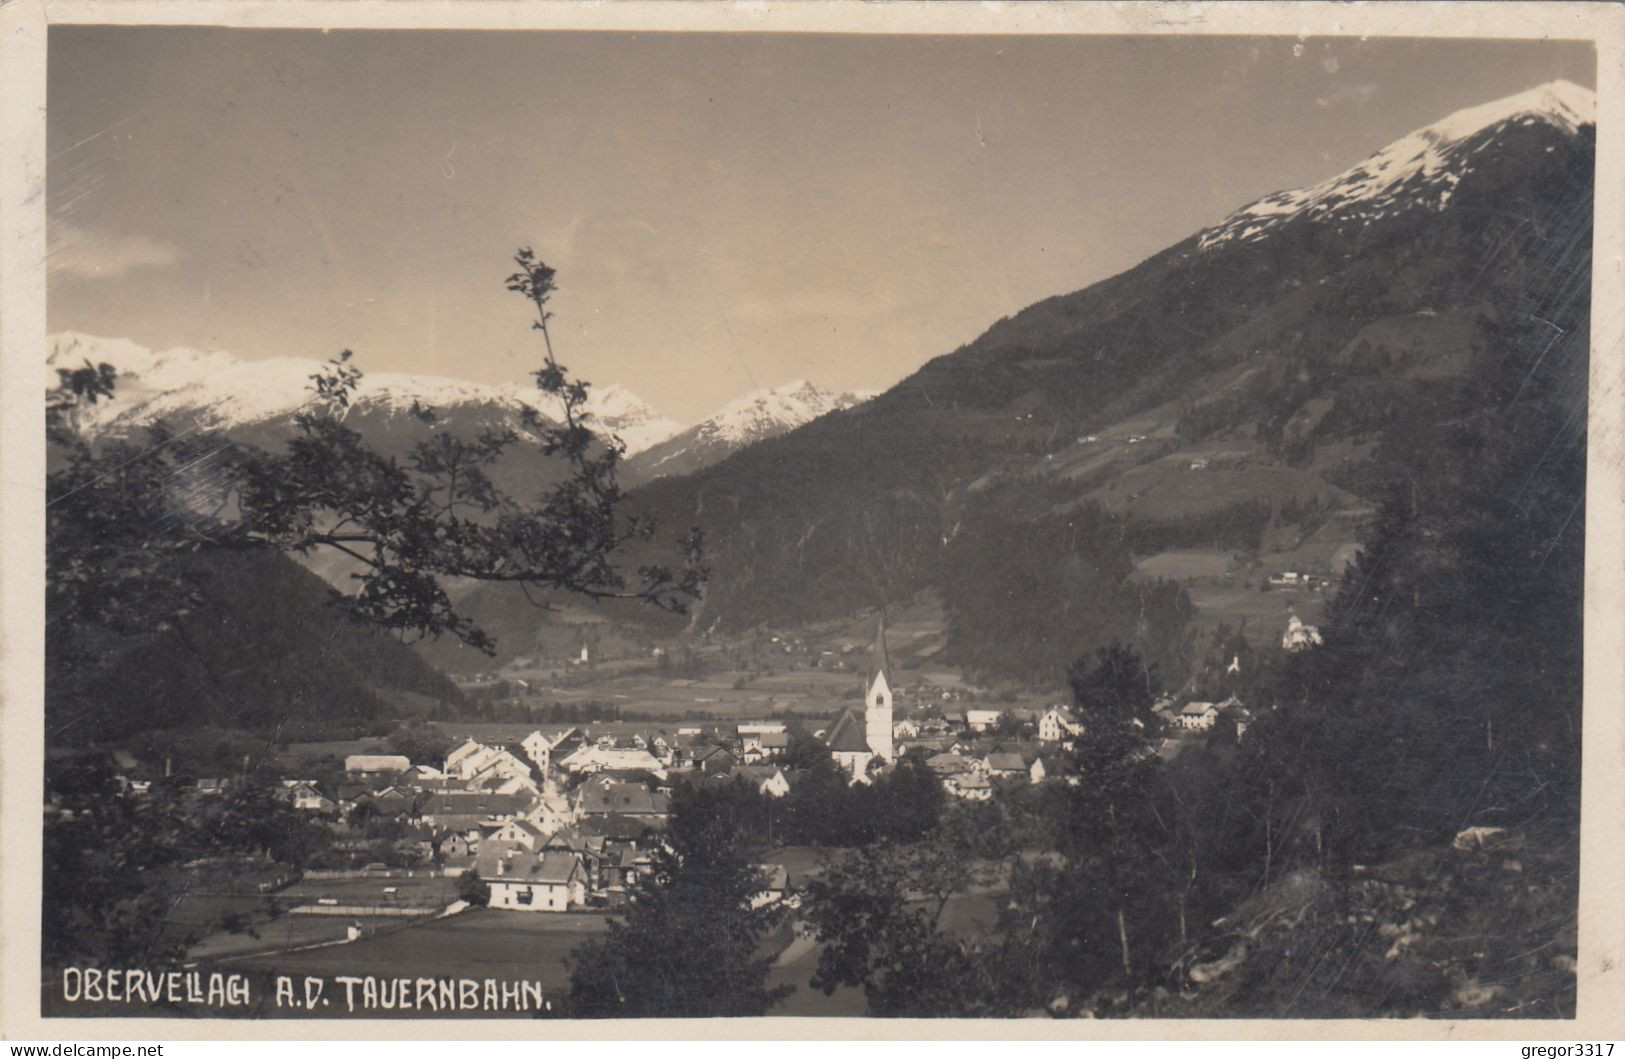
[762, 413]
[619, 411]
[756, 416]
[1418, 170]
[220, 391]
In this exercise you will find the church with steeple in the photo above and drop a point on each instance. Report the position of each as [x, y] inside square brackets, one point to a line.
[856, 741]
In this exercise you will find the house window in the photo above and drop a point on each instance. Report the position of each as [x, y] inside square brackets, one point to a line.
[523, 897]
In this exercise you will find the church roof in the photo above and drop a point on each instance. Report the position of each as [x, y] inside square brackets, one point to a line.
[879, 658]
[849, 733]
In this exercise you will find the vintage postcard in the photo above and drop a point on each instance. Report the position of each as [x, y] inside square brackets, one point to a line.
[1070, 519]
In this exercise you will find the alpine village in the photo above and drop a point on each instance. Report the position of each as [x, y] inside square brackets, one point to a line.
[1205, 642]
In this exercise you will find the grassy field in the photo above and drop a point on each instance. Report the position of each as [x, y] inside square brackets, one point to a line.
[286, 932]
[1265, 613]
[409, 893]
[1180, 565]
[480, 943]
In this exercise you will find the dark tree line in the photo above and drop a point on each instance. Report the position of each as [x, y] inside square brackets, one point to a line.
[1026, 596]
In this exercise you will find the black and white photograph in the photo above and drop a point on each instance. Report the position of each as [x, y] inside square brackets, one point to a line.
[615, 523]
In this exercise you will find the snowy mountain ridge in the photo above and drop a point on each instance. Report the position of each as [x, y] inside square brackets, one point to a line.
[744, 421]
[226, 392]
[1420, 170]
[769, 411]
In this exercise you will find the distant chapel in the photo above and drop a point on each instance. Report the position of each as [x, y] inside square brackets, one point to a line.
[854, 742]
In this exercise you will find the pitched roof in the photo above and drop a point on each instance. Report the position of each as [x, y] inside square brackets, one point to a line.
[521, 824]
[503, 862]
[377, 763]
[947, 763]
[1196, 709]
[879, 658]
[616, 825]
[1006, 763]
[556, 867]
[628, 798]
[848, 733]
[441, 803]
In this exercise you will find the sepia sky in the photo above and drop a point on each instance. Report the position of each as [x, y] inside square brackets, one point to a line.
[725, 211]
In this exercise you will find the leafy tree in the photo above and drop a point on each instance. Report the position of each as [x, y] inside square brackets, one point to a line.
[879, 910]
[690, 945]
[473, 889]
[1116, 687]
[421, 744]
[112, 869]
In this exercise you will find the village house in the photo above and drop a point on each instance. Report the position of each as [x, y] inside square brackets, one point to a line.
[971, 786]
[981, 720]
[539, 746]
[390, 801]
[709, 759]
[455, 849]
[766, 779]
[552, 810]
[949, 764]
[1058, 723]
[1198, 716]
[600, 798]
[762, 745]
[1005, 766]
[305, 796]
[466, 810]
[518, 832]
[775, 887]
[624, 863]
[552, 881]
